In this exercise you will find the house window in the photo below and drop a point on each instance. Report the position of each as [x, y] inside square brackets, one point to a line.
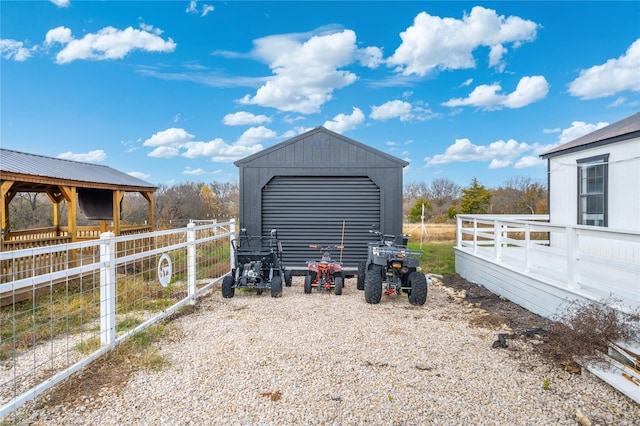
[592, 190]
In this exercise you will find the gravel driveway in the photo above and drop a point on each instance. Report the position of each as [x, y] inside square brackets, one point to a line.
[325, 359]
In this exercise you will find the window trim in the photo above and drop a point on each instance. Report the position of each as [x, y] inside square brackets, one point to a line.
[604, 161]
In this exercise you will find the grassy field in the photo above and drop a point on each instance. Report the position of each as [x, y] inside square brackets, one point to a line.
[438, 240]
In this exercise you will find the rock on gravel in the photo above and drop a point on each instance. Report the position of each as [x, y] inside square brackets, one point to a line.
[325, 359]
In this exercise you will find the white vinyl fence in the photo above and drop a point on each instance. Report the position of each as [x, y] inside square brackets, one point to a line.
[573, 260]
[64, 306]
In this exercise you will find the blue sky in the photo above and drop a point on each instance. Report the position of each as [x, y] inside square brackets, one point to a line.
[176, 91]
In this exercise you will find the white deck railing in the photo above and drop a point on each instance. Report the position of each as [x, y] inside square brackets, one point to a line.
[594, 262]
[108, 290]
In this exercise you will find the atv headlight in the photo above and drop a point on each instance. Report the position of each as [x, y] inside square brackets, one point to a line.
[375, 251]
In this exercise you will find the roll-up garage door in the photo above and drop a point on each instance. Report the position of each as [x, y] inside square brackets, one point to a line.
[321, 210]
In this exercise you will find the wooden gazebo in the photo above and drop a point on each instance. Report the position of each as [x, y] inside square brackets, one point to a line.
[98, 189]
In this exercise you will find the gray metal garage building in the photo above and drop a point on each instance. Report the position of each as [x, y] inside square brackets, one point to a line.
[321, 188]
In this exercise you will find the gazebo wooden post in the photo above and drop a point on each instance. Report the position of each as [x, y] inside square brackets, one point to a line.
[56, 199]
[149, 197]
[117, 200]
[6, 197]
[70, 194]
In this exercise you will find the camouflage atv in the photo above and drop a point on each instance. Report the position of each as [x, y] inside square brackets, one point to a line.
[390, 264]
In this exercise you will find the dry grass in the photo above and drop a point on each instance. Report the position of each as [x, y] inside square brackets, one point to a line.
[432, 231]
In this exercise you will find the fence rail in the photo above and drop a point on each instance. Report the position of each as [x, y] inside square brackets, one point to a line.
[597, 263]
[99, 293]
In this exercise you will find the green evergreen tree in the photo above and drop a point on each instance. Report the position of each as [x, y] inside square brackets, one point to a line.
[476, 199]
[415, 212]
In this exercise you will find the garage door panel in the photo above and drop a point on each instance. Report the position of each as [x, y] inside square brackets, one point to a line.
[310, 210]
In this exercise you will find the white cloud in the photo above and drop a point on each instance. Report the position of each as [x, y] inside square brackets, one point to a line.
[242, 118]
[402, 110]
[91, 156]
[206, 9]
[579, 129]
[343, 122]
[528, 91]
[13, 49]
[614, 76]
[619, 101]
[306, 69]
[164, 152]
[61, 3]
[434, 43]
[139, 175]
[193, 8]
[529, 161]
[370, 57]
[500, 153]
[549, 131]
[255, 135]
[173, 137]
[108, 43]
[190, 171]
[391, 109]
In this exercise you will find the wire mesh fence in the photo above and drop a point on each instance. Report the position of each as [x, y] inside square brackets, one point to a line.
[63, 306]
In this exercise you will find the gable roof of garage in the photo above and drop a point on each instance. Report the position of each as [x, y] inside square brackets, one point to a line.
[622, 130]
[318, 131]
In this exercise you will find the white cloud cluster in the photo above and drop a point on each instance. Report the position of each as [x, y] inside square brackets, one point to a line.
[13, 49]
[108, 43]
[193, 8]
[344, 122]
[172, 142]
[242, 118]
[61, 3]
[528, 91]
[307, 69]
[500, 153]
[402, 110]
[615, 75]
[579, 129]
[435, 43]
[92, 156]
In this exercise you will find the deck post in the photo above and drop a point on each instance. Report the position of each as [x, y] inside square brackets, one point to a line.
[572, 257]
[497, 240]
[475, 236]
[458, 231]
[527, 247]
[191, 261]
[108, 290]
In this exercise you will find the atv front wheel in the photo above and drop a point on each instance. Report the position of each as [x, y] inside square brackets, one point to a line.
[227, 287]
[307, 284]
[337, 288]
[360, 277]
[418, 284]
[287, 278]
[373, 284]
[276, 286]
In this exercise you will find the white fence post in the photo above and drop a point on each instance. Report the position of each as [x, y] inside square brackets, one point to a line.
[497, 240]
[572, 257]
[459, 231]
[191, 262]
[232, 236]
[527, 247]
[475, 236]
[107, 289]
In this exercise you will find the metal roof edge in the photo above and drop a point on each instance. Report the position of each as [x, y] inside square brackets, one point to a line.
[319, 129]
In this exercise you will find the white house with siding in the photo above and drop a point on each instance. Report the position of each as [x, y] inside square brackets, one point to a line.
[587, 248]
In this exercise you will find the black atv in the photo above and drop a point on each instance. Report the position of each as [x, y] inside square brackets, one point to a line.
[258, 265]
[389, 261]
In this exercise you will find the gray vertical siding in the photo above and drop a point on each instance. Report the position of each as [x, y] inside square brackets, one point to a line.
[291, 186]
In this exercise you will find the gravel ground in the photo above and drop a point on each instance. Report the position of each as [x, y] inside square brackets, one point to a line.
[326, 359]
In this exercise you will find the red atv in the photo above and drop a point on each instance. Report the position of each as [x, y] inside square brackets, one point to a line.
[325, 273]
